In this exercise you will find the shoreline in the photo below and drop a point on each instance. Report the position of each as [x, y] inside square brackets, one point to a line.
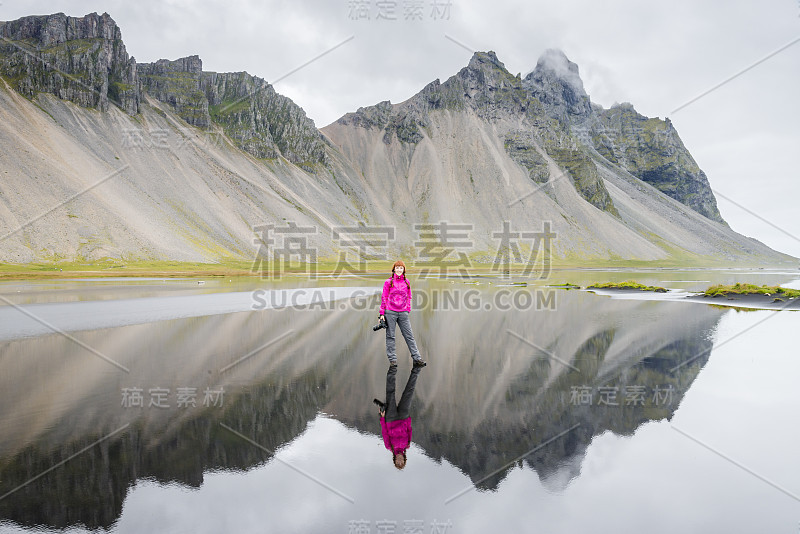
[749, 301]
[167, 269]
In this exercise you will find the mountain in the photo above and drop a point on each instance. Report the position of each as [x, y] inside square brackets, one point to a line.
[165, 161]
[256, 118]
[487, 146]
[81, 60]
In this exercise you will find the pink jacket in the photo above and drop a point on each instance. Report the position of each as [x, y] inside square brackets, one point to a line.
[398, 298]
[396, 434]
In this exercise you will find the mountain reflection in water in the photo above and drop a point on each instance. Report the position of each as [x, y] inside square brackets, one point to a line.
[498, 384]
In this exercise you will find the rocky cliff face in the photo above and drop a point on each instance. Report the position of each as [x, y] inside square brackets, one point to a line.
[533, 115]
[179, 84]
[261, 121]
[556, 83]
[255, 117]
[651, 150]
[82, 60]
[553, 114]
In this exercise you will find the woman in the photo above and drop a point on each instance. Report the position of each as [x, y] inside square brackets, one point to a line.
[395, 306]
[395, 419]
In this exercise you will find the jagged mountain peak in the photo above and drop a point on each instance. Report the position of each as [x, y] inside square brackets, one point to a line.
[89, 47]
[51, 30]
[483, 60]
[556, 61]
[484, 68]
[556, 82]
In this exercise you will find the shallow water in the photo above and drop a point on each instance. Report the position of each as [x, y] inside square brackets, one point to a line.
[542, 410]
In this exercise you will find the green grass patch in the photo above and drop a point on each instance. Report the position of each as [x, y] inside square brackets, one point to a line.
[565, 285]
[60, 267]
[227, 267]
[228, 107]
[628, 284]
[720, 290]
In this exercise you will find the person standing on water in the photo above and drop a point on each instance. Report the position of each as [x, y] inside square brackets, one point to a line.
[395, 307]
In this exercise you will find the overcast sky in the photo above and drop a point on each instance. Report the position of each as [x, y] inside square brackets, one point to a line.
[656, 55]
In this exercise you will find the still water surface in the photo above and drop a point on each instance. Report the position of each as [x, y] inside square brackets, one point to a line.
[568, 411]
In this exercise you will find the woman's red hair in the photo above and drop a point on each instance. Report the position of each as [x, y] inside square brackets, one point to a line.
[405, 271]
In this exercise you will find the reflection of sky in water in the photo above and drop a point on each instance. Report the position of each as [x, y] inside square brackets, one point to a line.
[742, 402]
[655, 481]
[794, 284]
[44, 318]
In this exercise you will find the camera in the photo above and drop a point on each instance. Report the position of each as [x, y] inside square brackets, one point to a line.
[381, 324]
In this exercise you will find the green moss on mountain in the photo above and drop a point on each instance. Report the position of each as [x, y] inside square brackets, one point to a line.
[261, 121]
[486, 86]
[585, 176]
[178, 83]
[405, 127]
[651, 150]
[520, 147]
[256, 118]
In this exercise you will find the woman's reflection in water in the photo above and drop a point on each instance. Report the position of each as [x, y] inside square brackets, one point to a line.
[395, 420]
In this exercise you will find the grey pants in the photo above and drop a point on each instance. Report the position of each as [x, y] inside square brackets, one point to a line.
[399, 318]
[395, 412]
